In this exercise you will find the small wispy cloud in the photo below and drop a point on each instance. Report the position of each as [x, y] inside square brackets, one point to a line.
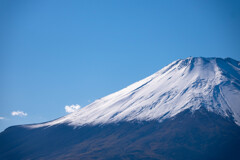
[19, 113]
[72, 108]
[2, 118]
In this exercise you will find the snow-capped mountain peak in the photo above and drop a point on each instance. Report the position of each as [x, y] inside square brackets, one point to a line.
[213, 83]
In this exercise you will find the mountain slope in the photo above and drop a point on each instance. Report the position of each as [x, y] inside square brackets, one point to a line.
[202, 135]
[190, 109]
[213, 83]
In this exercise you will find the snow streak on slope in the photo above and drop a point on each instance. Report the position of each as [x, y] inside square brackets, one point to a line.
[213, 83]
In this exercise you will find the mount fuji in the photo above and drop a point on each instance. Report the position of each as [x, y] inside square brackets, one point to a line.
[190, 109]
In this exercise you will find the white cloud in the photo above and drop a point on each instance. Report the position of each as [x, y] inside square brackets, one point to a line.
[72, 108]
[19, 113]
[2, 118]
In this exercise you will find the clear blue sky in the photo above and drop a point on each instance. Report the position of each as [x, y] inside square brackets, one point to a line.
[61, 52]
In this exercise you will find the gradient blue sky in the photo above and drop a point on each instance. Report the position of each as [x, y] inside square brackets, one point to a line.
[59, 52]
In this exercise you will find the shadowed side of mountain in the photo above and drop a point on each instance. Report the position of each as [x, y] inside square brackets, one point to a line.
[189, 135]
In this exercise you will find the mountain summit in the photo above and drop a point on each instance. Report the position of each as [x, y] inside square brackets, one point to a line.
[190, 109]
[192, 83]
